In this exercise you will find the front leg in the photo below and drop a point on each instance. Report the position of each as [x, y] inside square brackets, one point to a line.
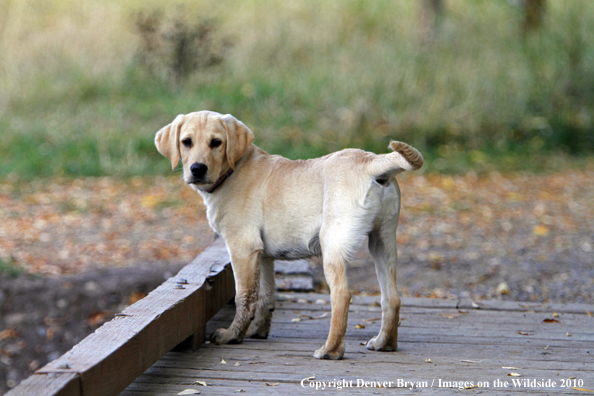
[260, 326]
[246, 270]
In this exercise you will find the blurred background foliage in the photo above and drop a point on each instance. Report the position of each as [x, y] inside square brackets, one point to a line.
[474, 84]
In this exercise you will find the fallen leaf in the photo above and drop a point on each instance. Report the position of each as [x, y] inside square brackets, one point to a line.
[8, 333]
[275, 384]
[503, 288]
[223, 361]
[589, 313]
[551, 321]
[321, 301]
[427, 360]
[510, 368]
[463, 312]
[237, 364]
[371, 320]
[471, 361]
[201, 383]
[97, 318]
[136, 296]
[523, 333]
[257, 363]
[450, 316]
[471, 386]
[555, 315]
[376, 304]
[189, 392]
[295, 320]
[363, 343]
[582, 389]
[513, 375]
[240, 390]
[360, 326]
[568, 334]
[540, 230]
[149, 201]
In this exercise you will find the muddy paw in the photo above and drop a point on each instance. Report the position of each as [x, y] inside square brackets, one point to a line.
[381, 345]
[324, 353]
[224, 336]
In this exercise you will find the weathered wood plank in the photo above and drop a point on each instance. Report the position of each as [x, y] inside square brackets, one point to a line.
[463, 303]
[475, 320]
[289, 369]
[458, 351]
[54, 384]
[290, 300]
[252, 351]
[115, 354]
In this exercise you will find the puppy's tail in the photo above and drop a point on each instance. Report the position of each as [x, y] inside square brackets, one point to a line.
[403, 158]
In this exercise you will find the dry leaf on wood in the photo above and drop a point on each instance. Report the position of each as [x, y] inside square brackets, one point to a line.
[548, 320]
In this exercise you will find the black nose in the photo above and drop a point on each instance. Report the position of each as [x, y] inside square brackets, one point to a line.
[198, 170]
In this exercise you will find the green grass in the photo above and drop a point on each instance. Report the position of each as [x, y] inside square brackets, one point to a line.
[308, 77]
[10, 269]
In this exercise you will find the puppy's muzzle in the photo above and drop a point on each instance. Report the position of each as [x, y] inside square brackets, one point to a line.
[198, 171]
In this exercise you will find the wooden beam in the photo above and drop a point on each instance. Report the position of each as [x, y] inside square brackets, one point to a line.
[108, 360]
[53, 384]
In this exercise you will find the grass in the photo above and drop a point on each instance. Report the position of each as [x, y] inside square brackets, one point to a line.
[10, 269]
[82, 90]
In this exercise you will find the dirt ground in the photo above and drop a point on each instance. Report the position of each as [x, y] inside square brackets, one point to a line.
[92, 246]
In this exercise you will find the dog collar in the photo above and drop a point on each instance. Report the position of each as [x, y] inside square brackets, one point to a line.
[220, 181]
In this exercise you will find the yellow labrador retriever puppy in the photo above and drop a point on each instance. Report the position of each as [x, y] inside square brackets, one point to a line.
[268, 207]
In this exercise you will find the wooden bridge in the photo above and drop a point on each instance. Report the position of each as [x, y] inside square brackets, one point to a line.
[445, 346]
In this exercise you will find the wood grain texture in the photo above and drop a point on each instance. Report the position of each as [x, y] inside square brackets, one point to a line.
[437, 342]
[52, 384]
[115, 354]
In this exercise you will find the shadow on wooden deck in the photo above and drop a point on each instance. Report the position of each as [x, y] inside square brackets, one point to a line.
[445, 346]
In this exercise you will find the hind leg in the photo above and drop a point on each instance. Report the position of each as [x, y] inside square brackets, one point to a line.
[382, 246]
[335, 272]
[260, 326]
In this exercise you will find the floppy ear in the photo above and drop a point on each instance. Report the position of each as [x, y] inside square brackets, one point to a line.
[167, 140]
[239, 139]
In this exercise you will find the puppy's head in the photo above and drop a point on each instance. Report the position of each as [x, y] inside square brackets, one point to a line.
[207, 143]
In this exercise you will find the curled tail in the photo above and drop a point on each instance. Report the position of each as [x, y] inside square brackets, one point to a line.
[404, 158]
[410, 154]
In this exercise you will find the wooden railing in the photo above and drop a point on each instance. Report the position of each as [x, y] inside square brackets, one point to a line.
[111, 358]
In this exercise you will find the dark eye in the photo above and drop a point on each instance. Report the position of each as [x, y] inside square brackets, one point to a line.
[214, 143]
[187, 142]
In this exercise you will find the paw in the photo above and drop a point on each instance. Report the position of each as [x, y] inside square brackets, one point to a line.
[257, 336]
[381, 344]
[324, 353]
[258, 330]
[224, 336]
